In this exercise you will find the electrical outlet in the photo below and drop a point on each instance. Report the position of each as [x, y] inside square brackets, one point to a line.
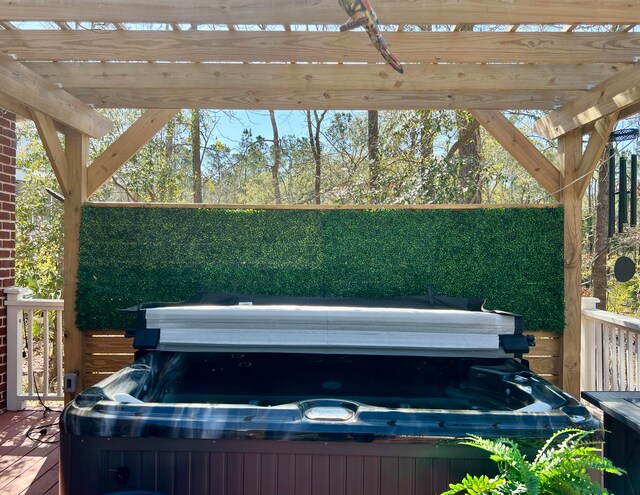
[70, 383]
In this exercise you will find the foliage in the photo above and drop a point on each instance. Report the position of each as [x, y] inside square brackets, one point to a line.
[159, 172]
[561, 467]
[39, 254]
[134, 255]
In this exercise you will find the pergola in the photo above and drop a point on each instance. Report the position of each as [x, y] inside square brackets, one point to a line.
[59, 59]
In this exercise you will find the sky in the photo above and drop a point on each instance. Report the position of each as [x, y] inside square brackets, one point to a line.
[230, 125]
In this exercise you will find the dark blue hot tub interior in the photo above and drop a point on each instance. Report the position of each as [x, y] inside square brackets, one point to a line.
[220, 395]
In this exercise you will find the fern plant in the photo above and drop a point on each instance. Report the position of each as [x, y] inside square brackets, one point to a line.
[560, 467]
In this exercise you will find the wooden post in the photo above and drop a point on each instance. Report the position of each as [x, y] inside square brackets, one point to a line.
[570, 153]
[77, 153]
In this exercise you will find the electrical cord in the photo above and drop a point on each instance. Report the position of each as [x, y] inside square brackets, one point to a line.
[43, 430]
[47, 409]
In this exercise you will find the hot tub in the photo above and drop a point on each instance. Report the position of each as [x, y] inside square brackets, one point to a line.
[287, 399]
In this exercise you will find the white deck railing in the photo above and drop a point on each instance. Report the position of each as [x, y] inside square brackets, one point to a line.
[610, 349]
[34, 348]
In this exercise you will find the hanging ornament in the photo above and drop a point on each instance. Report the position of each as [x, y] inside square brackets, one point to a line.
[624, 269]
[362, 14]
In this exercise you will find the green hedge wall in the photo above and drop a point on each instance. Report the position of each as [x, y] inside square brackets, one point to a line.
[513, 257]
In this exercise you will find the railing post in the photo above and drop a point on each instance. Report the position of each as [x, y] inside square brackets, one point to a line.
[14, 347]
[590, 302]
[587, 346]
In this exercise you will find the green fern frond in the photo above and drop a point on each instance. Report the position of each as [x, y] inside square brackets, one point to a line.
[561, 466]
[475, 485]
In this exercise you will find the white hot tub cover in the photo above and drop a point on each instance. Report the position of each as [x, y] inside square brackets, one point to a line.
[334, 329]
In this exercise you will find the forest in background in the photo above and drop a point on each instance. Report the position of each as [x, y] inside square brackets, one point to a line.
[375, 157]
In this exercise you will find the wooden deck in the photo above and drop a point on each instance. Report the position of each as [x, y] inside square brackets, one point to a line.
[28, 465]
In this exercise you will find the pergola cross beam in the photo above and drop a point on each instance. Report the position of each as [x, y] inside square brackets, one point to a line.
[610, 96]
[593, 153]
[23, 90]
[53, 148]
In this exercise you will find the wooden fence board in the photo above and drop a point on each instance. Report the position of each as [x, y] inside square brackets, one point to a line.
[108, 351]
[545, 358]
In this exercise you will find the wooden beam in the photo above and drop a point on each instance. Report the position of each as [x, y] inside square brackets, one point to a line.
[629, 111]
[297, 46]
[610, 96]
[520, 148]
[569, 154]
[53, 148]
[310, 77]
[24, 111]
[77, 152]
[569, 28]
[325, 11]
[8, 26]
[595, 147]
[622, 115]
[127, 145]
[14, 106]
[376, 206]
[27, 88]
[239, 99]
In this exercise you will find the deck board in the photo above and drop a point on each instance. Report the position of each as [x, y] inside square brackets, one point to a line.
[27, 465]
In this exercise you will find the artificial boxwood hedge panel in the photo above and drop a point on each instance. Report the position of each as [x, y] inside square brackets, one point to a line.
[510, 256]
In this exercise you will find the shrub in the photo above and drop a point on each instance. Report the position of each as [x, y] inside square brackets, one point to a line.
[561, 467]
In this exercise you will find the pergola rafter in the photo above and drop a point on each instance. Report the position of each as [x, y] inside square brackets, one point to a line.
[325, 11]
[423, 47]
[574, 57]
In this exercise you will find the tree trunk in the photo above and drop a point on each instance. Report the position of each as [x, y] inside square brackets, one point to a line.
[170, 141]
[196, 159]
[277, 154]
[316, 150]
[600, 238]
[427, 135]
[470, 172]
[373, 130]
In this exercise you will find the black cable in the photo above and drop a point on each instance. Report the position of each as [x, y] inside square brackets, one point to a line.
[47, 409]
[25, 341]
[43, 430]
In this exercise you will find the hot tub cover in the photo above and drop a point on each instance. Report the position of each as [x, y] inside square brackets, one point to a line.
[269, 324]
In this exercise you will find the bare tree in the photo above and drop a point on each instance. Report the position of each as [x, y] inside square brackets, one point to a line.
[316, 150]
[196, 157]
[373, 148]
[277, 156]
[600, 236]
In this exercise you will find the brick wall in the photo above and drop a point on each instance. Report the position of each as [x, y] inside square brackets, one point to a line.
[7, 232]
